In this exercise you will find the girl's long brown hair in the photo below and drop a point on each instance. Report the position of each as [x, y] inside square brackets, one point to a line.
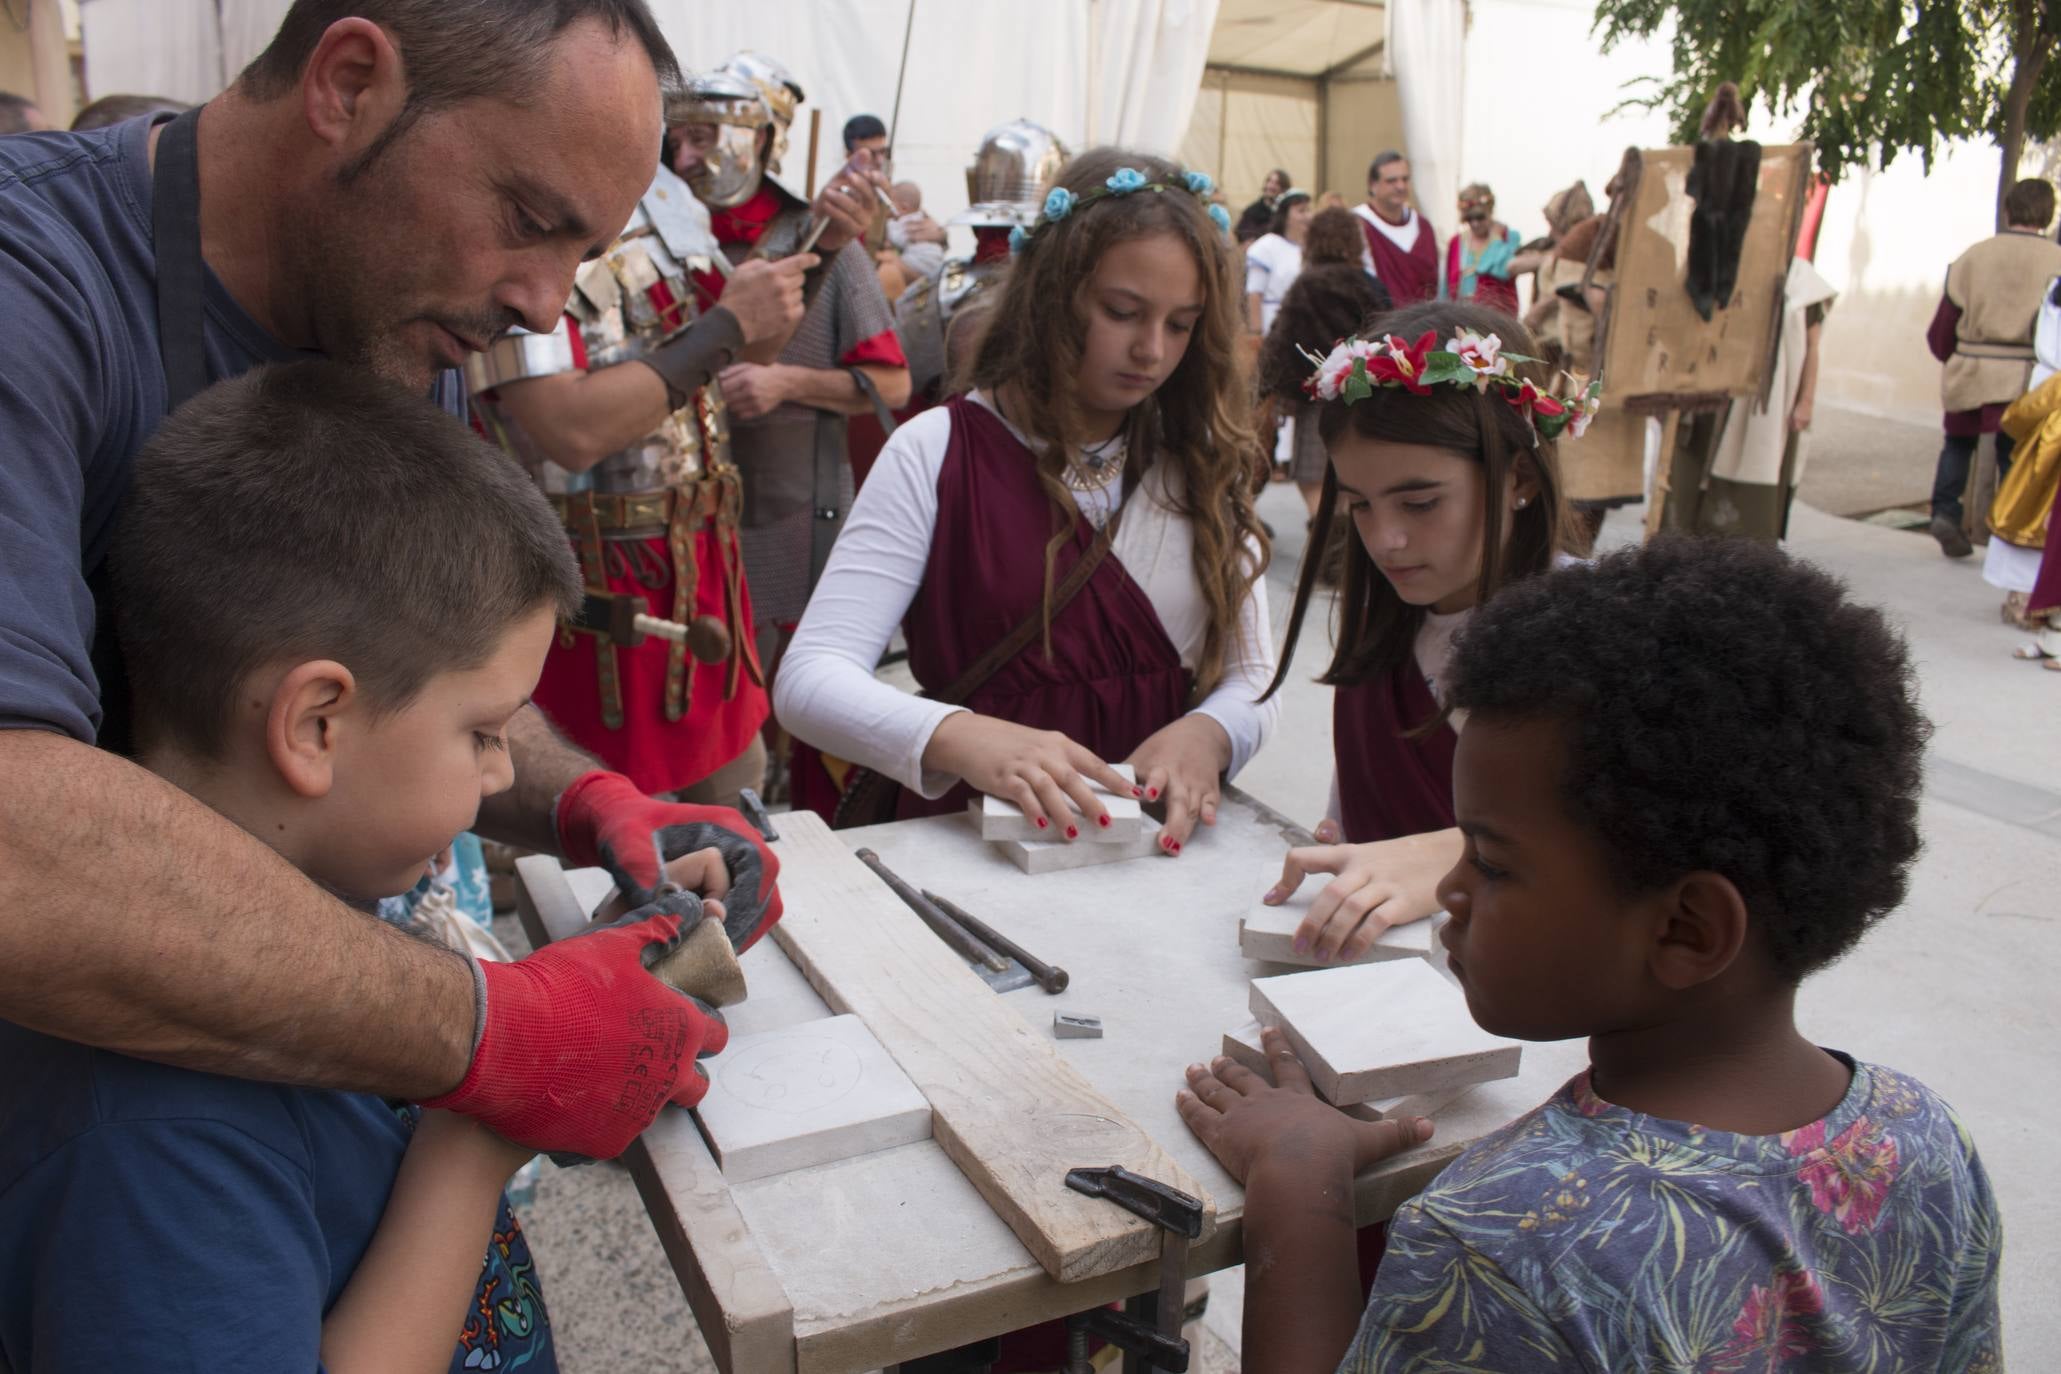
[1376, 629]
[1200, 419]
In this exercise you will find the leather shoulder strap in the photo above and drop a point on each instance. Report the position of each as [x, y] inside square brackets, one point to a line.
[1019, 639]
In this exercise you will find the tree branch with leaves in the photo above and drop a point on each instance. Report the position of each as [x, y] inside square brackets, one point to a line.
[1865, 80]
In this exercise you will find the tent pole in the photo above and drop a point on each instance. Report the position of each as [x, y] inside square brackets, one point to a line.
[1323, 182]
[894, 120]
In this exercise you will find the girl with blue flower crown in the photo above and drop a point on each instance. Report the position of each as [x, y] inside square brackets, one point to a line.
[1105, 429]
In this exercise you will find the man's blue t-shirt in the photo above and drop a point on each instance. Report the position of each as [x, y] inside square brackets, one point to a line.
[82, 386]
[155, 1218]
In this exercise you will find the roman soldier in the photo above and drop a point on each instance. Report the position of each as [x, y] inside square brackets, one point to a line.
[937, 319]
[616, 415]
[728, 132]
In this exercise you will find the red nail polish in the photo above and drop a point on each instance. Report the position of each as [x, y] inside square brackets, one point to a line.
[1073, 832]
[1152, 795]
[1137, 791]
[1177, 846]
[1041, 822]
[1102, 821]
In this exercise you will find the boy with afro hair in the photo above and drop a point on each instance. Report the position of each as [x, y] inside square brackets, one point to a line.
[1689, 779]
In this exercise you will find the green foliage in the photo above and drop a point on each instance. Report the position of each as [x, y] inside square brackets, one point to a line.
[1865, 80]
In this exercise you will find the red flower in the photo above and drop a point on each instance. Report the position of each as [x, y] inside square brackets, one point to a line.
[1850, 1178]
[1528, 398]
[1767, 1330]
[1403, 363]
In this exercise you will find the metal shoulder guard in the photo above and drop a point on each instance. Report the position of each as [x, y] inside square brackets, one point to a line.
[520, 354]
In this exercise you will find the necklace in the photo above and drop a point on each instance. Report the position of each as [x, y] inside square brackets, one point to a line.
[1095, 466]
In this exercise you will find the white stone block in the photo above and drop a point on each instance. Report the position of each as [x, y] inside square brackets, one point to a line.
[1268, 933]
[1056, 856]
[803, 1095]
[997, 819]
[1371, 1031]
[1243, 1046]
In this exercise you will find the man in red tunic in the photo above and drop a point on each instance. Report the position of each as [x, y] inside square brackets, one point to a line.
[1402, 247]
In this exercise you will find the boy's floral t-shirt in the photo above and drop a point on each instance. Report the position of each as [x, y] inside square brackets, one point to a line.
[1587, 1237]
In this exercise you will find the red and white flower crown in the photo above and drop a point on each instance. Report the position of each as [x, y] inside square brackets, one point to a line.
[1356, 367]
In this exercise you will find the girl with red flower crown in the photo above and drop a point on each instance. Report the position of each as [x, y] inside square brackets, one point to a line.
[1441, 437]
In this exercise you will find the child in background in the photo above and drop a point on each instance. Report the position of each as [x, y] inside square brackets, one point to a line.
[1450, 473]
[331, 599]
[1689, 780]
[1106, 417]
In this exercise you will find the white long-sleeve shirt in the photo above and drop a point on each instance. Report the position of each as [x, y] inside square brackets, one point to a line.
[826, 692]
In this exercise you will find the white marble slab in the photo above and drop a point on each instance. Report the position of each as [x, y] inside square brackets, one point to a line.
[803, 1095]
[1372, 1031]
[997, 819]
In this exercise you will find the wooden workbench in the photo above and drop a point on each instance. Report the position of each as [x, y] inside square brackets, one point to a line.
[890, 1256]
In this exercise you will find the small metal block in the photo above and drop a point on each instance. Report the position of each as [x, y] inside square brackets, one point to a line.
[1065, 1027]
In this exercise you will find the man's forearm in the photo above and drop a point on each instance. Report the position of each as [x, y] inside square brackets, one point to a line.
[135, 919]
[832, 388]
[545, 765]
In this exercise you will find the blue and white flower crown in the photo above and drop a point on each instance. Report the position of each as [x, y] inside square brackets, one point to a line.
[1060, 202]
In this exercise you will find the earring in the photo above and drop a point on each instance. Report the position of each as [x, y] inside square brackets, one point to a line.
[1523, 501]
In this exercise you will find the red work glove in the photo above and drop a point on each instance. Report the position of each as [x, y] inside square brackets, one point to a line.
[604, 821]
[579, 1045]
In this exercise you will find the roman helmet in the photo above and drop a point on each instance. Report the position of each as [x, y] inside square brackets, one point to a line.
[782, 94]
[1005, 184]
[731, 170]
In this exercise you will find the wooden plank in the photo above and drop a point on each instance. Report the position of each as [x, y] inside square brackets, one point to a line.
[1009, 1111]
[738, 1300]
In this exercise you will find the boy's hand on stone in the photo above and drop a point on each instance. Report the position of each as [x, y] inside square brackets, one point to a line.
[1248, 1123]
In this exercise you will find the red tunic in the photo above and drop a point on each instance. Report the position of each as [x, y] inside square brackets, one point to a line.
[1390, 785]
[1410, 277]
[657, 754]
[1113, 678]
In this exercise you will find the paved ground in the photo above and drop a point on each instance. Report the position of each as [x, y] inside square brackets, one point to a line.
[1956, 988]
[1862, 463]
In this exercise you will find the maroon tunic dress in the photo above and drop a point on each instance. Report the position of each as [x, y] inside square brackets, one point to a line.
[1113, 678]
[1391, 785]
[1409, 276]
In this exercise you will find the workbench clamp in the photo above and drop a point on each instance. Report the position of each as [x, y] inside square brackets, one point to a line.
[1148, 1331]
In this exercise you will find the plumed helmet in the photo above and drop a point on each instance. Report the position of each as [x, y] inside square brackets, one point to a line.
[1006, 181]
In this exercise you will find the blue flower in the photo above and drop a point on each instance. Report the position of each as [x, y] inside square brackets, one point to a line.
[1220, 217]
[1059, 203]
[1199, 182]
[1126, 180]
[1018, 239]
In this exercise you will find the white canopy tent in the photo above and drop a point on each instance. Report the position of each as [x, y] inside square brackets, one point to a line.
[1317, 87]
[1095, 71]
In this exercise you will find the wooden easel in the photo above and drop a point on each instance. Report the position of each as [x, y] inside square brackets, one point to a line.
[1657, 356]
